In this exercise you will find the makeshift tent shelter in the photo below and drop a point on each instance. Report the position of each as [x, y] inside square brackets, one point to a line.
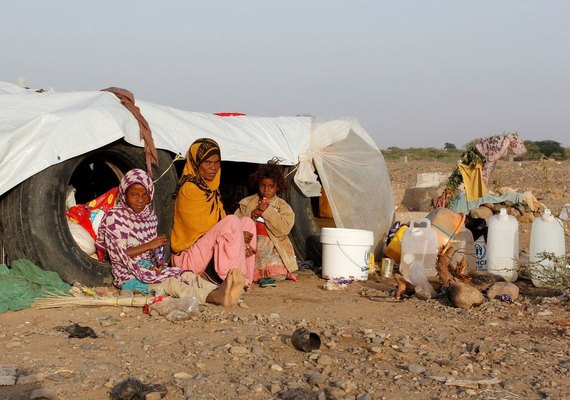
[39, 130]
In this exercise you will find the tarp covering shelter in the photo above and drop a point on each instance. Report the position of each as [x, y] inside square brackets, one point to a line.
[41, 129]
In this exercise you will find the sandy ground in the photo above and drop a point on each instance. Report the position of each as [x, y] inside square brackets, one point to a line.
[373, 347]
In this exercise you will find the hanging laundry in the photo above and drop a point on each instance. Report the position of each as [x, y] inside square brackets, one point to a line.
[495, 147]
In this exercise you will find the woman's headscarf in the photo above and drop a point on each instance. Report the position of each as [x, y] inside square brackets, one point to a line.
[122, 228]
[198, 204]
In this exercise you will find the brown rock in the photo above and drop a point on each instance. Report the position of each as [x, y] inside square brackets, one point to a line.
[500, 288]
[43, 394]
[527, 217]
[482, 212]
[465, 295]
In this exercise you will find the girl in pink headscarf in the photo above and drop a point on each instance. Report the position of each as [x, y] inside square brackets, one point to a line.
[128, 235]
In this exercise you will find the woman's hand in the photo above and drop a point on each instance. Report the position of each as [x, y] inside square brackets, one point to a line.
[249, 251]
[158, 241]
[247, 236]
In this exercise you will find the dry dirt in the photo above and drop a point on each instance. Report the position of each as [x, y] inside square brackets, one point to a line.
[373, 347]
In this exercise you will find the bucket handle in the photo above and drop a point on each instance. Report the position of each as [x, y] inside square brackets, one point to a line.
[350, 258]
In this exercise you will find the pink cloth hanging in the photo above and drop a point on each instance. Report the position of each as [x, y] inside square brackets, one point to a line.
[495, 147]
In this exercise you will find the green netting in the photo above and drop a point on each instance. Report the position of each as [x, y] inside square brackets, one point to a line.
[24, 282]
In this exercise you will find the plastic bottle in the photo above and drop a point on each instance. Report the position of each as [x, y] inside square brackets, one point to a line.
[464, 245]
[177, 315]
[547, 235]
[503, 246]
[173, 308]
[417, 277]
[419, 248]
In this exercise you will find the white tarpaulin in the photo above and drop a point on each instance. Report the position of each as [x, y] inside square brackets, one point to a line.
[41, 129]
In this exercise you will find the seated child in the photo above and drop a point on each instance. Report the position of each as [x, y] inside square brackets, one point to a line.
[128, 236]
[274, 218]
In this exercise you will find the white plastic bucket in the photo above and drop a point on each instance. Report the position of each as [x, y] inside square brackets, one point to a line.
[346, 253]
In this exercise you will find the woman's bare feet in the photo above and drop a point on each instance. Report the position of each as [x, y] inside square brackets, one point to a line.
[229, 292]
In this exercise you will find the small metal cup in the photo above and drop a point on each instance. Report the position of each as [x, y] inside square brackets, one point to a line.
[305, 340]
[387, 267]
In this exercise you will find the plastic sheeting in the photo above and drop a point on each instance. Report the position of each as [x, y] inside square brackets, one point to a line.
[459, 203]
[354, 176]
[41, 129]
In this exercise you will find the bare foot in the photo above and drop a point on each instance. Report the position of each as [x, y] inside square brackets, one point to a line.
[229, 292]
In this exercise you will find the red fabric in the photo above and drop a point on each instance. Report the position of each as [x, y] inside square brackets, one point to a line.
[228, 114]
[80, 212]
[261, 229]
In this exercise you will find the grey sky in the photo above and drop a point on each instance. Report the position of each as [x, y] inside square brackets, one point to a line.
[414, 73]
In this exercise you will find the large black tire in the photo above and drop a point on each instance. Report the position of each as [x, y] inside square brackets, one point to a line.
[306, 231]
[32, 215]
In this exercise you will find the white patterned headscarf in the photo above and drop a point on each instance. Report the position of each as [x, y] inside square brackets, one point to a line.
[122, 228]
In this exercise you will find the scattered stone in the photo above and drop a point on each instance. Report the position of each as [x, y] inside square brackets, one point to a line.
[315, 379]
[153, 396]
[464, 295]
[500, 288]
[481, 212]
[346, 385]
[247, 381]
[325, 360]
[257, 388]
[239, 350]
[108, 322]
[276, 367]
[364, 396]
[482, 348]
[43, 394]
[416, 368]
[181, 378]
[28, 379]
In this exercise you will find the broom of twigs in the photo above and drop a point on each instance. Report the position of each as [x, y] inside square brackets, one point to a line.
[60, 301]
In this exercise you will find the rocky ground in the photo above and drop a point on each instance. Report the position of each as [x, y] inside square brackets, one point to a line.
[373, 346]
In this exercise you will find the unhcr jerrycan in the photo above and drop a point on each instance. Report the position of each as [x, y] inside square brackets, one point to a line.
[481, 253]
[547, 235]
[419, 249]
[503, 246]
